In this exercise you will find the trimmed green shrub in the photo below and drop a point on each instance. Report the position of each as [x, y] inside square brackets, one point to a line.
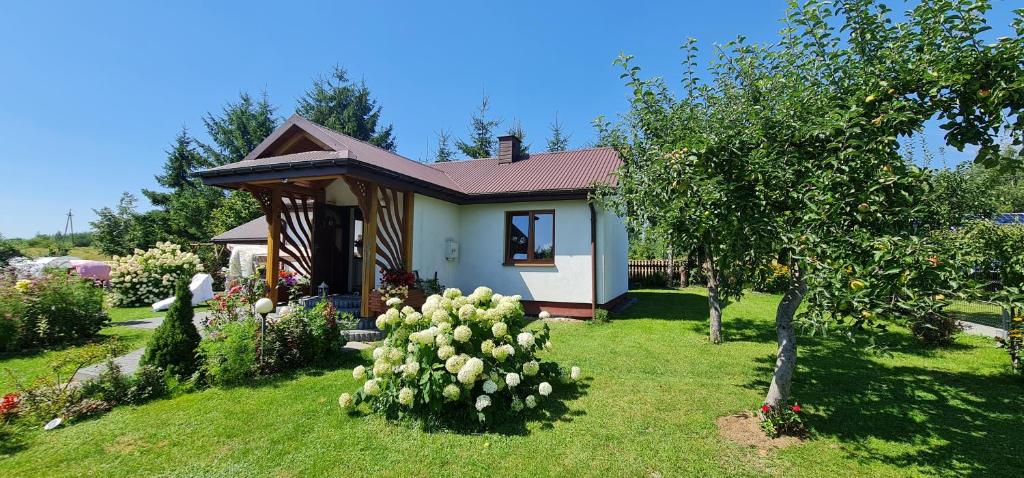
[229, 353]
[174, 343]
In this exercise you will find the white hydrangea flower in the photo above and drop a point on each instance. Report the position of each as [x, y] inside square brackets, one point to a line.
[359, 372]
[525, 340]
[490, 387]
[459, 302]
[512, 379]
[411, 369]
[467, 312]
[531, 401]
[574, 373]
[548, 345]
[445, 352]
[500, 353]
[382, 369]
[442, 339]
[379, 352]
[482, 402]
[531, 368]
[487, 346]
[392, 302]
[517, 404]
[470, 371]
[395, 355]
[544, 389]
[452, 293]
[451, 391]
[429, 308]
[499, 329]
[463, 333]
[440, 316]
[411, 348]
[544, 314]
[405, 396]
[371, 387]
[454, 364]
[407, 310]
[413, 318]
[483, 294]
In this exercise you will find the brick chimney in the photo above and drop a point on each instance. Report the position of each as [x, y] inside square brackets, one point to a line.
[508, 149]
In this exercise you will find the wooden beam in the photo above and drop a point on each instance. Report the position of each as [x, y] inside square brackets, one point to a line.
[369, 247]
[273, 244]
[407, 217]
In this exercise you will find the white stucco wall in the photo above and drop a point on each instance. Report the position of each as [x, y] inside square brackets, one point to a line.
[434, 221]
[480, 232]
[339, 194]
[613, 256]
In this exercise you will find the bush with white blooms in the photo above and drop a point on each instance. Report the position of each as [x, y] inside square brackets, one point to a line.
[458, 355]
[149, 276]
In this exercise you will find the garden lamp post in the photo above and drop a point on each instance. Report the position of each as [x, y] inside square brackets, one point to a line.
[263, 307]
[322, 289]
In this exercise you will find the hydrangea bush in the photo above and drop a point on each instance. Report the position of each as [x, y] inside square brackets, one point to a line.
[458, 356]
[146, 277]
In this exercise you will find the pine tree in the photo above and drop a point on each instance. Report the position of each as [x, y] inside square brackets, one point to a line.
[481, 141]
[346, 107]
[239, 129]
[174, 343]
[182, 161]
[517, 130]
[444, 149]
[558, 141]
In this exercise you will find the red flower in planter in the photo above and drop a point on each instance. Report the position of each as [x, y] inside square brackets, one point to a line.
[765, 408]
[795, 408]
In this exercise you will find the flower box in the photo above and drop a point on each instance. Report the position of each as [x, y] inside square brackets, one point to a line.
[415, 299]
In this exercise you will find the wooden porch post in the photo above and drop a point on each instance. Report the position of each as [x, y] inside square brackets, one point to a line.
[273, 244]
[407, 231]
[369, 247]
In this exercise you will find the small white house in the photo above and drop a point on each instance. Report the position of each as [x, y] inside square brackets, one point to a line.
[520, 224]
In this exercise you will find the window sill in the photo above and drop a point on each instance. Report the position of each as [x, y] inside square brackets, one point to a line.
[529, 264]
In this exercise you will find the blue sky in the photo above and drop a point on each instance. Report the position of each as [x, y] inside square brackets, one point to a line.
[91, 96]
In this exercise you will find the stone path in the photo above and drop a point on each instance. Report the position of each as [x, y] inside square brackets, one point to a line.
[978, 329]
[129, 362]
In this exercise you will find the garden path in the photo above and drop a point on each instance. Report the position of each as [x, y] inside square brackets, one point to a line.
[978, 329]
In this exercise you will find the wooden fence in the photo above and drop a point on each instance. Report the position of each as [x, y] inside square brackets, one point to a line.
[640, 270]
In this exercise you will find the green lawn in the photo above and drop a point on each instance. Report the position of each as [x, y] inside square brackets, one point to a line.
[27, 366]
[90, 253]
[654, 388]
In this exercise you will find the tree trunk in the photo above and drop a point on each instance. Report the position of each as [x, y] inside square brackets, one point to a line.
[684, 272]
[785, 364]
[714, 305]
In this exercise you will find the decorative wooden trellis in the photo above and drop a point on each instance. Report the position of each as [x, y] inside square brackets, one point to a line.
[290, 236]
[393, 210]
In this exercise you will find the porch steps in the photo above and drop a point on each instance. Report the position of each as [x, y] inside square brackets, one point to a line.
[362, 335]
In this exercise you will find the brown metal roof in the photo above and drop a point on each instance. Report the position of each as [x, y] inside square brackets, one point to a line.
[549, 173]
[567, 170]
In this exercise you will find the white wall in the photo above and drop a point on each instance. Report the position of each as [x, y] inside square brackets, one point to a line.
[434, 221]
[483, 248]
[613, 256]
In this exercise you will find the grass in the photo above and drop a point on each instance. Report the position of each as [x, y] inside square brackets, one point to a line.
[653, 390]
[90, 253]
[26, 366]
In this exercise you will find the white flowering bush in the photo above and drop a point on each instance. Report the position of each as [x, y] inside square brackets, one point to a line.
[457, 356]
[149, 276]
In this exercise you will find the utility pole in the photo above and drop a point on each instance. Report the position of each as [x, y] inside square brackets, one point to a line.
[69, 225]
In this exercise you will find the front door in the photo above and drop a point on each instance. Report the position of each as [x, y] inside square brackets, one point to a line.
[332, 251]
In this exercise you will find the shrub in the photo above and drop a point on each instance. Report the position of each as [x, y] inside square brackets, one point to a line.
[773, 278]
[781, 420]
[601, 316]
[228, 353]
[174, 343]
[54, 395]
[936, 329]
[112, 386]
[55, 308]
[236, 303]
[146, 277]
[458, 356]
[147, 383]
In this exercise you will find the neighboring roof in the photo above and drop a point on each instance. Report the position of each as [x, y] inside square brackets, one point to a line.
[561, 174]
[566, 170]
[254, 231]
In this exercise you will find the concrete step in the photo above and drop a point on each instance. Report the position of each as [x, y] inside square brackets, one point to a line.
[362, 335]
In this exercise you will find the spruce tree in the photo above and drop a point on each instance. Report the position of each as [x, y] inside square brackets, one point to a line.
[444, 149]
[341, 105]
[182, 161]
[481, 141]
[558, 141]
[174, 343]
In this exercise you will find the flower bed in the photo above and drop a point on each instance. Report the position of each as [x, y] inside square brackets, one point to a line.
[54, 308]
[146, 277]
[458, 355]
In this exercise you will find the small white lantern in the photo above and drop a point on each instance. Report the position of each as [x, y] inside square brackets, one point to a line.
[264, 306]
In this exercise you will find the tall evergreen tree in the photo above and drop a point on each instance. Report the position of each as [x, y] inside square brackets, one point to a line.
[481, 141]
[444, 148]
[558, 141]
[346, 107]
[239, 129]
[182, 161]
[517, 130]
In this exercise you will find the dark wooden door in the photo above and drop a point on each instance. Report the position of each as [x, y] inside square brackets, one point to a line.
[331, 257]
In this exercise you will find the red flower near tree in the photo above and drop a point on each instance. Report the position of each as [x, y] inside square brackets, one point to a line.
[9, 404]
[795, 408]
[765, 408]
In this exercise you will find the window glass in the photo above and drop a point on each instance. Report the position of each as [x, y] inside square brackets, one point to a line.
[543, 236]
[519, 236]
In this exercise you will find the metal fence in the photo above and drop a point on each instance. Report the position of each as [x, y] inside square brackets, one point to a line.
[979, 313]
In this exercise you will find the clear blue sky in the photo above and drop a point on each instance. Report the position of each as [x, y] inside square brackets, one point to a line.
[91, 96]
